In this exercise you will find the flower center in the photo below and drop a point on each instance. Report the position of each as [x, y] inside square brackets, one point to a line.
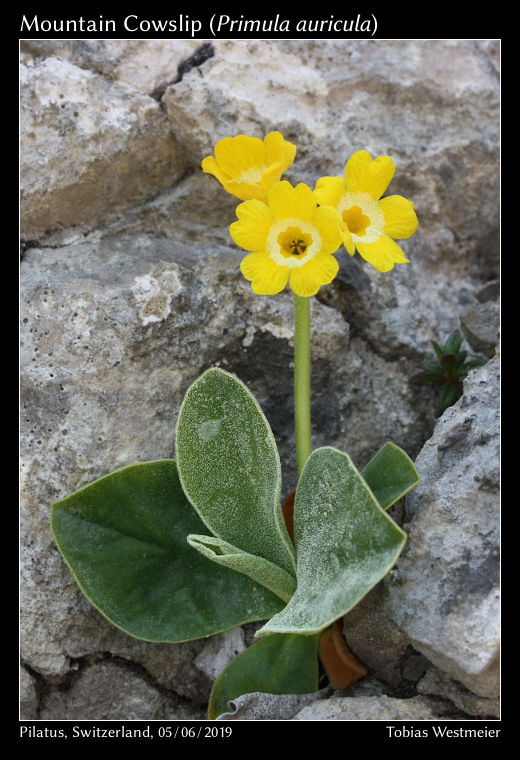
[252, 176]
[294, 242]
[356, 220]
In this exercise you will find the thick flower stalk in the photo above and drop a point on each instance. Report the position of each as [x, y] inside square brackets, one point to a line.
[369, 223]
[247, 166]
[290, 238]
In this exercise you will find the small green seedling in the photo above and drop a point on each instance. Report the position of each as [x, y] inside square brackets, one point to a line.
[449, 371]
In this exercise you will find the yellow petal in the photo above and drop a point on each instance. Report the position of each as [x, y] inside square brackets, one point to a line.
[382, 254]
[363, 175]
[327, 220]
[245, 190]
[329, 190]
[278, 150]
[253, 225]
[400, 217]
[285, 200]
[237, 154]
[271, 175]
[210, 166]
[346, 238]
[266, 276]
[308, 279]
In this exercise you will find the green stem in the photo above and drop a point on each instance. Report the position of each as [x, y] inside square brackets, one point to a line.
[302, 379]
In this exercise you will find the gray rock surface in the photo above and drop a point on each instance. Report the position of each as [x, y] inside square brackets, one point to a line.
[130, 288]
[258, 706]
[369, 708]
[219, 651]
[146, 65]
[480, 325]
[441, 685]
[113, 691]
[445, 591]
[88, 147]
[28, 696]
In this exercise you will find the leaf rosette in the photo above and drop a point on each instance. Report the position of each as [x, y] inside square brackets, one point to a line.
[173, 550]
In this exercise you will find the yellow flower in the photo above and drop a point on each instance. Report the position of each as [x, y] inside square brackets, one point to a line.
[247, 166]
[369, 222]
[291, 239]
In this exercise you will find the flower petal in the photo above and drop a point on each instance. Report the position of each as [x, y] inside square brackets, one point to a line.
[382, 254]
[347, 239]
[210, 166]
[308, 279]
[278, 150]
[327, 221]
[285, 200]
[363, 175]
[253, 225]
[329, 190]
[237, 154]
[266, 276]
[400, 217]
[246, 191]
[271, 175]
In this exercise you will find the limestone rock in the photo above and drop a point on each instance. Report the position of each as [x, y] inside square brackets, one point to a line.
[441, 685]
[259, 706]
[445, 592]
[369, 708]
[147, 65]
[88, 147]
[28, 696]
[375, 639]
[112, 691]
[219, 651]
[480, 326]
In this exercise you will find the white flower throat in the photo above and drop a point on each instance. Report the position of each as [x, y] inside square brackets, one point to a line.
[363, 217]
[292, 242]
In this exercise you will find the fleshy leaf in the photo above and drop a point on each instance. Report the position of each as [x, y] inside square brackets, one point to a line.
[390, 474]
[124, 538]
[280, 664]
[345, 544]
[259, 569]
[230, 469]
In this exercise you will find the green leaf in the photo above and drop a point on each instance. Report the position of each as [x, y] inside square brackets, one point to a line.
[438, 350]
[453, 343]
[259, 569]
[435, 369]
[447, 396]
[345, 544]
[279, 664]
[230, 469]
[390, 474]
[124, 538]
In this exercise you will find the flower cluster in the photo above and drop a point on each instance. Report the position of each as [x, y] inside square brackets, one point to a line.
[291, 233]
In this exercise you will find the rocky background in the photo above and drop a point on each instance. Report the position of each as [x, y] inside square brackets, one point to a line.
[130, 288]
